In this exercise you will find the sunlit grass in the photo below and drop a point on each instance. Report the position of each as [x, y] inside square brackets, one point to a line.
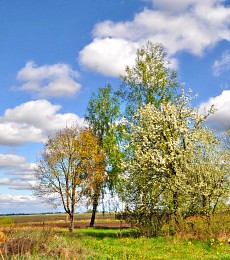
[53, 242]
[105, 243]
[112, 244]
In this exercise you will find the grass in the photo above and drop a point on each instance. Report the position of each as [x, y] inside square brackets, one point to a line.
[6, 221]
[111, 244]
[101, 244]
[42, 243]
[49, 242]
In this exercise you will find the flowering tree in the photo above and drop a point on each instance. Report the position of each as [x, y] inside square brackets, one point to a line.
[71, 166]
[209, 178]
[168, 144]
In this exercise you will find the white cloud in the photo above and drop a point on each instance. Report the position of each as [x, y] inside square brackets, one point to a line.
[8, 160]
[16, 198]
[108, 56]
[17, 166]
[55, 80]
[23, 204]
[19, 173]
[189, 25]
[221, 119]
[33, 121]
[221, 65]
[16, 183]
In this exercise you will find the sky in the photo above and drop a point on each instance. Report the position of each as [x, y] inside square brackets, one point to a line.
[55, 53]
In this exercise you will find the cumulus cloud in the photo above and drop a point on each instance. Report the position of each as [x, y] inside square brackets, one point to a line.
[57, 80]
[221, 65]
[115, 54]
[33, 121]
[220, 120]
[190, 25]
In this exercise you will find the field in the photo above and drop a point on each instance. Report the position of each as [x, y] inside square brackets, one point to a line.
[47, 237]
[60, 220]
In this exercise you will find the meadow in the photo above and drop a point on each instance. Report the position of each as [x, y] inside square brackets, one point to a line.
[47, 237]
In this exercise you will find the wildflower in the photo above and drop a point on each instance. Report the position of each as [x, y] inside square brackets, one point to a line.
[212, 240]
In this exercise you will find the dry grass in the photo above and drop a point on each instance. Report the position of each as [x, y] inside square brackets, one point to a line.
[199, 228]
[40, 243]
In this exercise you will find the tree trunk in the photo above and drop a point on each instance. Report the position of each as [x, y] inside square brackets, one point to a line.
[71, 222]
[95, 204]
[175, 207]
[206, 210]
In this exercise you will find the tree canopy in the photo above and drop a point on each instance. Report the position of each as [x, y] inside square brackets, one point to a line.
[174, 161]
[147, 142]
[71, 166]
[149, 81]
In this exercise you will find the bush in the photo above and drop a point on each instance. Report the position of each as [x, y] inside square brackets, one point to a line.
[147, 224]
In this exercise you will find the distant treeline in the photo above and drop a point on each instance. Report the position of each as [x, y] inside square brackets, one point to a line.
[29, 214]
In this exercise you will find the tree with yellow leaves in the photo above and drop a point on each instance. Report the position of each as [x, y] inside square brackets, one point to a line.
[71, 166]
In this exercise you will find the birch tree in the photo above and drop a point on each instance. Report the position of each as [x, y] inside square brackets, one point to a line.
[149, 81]
[103, 112]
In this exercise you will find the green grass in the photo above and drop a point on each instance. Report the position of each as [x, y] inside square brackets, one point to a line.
[105, 243]
[111, 244]
[52, 242]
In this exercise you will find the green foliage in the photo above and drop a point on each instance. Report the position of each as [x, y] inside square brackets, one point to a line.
[171, 163]
[227, 139]
[149, 81]
[103, 113]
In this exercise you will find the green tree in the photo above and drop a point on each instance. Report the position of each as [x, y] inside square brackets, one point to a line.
[103, 112]
[149, 81]
[71, 166]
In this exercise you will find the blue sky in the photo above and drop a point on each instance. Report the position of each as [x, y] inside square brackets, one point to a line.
[54, 54]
